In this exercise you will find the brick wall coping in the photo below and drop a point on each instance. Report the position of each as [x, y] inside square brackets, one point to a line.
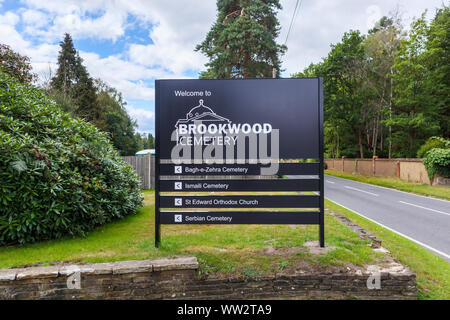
[120, 267]
[390, 270]
[378, 159]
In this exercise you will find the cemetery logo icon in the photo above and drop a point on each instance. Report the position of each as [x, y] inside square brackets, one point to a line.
[202, 113]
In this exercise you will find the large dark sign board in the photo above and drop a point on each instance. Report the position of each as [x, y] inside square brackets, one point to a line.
[228, 136]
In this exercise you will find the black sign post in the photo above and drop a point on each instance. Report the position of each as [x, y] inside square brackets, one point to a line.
[238, 137]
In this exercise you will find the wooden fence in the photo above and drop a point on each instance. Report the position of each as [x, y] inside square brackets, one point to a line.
[406, 169]
[145, 168]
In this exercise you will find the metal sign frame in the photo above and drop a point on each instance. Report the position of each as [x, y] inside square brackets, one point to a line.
[239, 201]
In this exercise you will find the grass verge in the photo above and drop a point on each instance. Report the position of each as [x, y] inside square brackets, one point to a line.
[248, 250]
[433, 272]
[245, 250]
[441, 192]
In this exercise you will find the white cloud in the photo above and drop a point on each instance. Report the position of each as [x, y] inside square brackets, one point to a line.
[34, 18]
[62, 7]
[75, 17]
[145, 119]
[174, 28]
[9, 18]
[126, 76]
[9, 36]
[321, 23]
[108, 26]
[178, 28]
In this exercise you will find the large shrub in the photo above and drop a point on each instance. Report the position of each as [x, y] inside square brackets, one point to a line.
[437, 161]
[58, 175]
[431, 143]
[436, 157]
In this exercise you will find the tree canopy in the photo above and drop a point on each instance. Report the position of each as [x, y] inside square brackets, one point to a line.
[93, 100]
[73, 81]
[388, 91]
[241, 43]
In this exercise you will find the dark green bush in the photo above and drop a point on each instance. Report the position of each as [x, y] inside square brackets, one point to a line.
[436, 156]
[431, 143]
[437, 160]
[59, 176]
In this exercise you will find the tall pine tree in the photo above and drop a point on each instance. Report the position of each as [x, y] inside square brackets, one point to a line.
[241, 43]
[73, 80]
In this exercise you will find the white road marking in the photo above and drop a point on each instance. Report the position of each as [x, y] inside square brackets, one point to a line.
[373, 194]
[329, 181]
[390, 189]
[415, 205]
[400, 234]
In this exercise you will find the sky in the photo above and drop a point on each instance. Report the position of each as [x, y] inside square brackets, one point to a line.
[130, 43]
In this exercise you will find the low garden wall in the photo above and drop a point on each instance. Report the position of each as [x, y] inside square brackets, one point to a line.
[179, 279]
[406, 169]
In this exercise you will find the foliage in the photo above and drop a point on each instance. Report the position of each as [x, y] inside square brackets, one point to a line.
[73, 80]
[145, 142]
[431, 143]
[59, 175]
[381, 46]
[15, 65]
[436, 156]
[241, 43]
[414, 117]
[111, 116]
[437, 57]
[388, 91]
[122, 131]
[437, 160]
[92, 99]
[344, 93]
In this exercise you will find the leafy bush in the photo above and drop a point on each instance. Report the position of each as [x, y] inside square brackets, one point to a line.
[437, 160]
[431, 143]
[59, 176]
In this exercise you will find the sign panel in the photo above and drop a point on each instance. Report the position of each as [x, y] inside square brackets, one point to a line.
[220, 141]
[240, 185]
[252, 217]
[239, 169]
[241, 201]
[242, 106]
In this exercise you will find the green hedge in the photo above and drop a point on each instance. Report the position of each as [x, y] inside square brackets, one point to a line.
[437, 160]
[431, 143]
[436, 157]
[59, 176]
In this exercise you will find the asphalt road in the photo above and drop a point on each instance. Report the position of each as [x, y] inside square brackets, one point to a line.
[423, 220]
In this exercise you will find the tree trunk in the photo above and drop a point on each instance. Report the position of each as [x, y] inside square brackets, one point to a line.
[361, 150]
[390, 117]
[381, 137]
[375, 138]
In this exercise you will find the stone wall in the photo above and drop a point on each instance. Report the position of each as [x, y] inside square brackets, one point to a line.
[406, 169]
[178, 279]
[414, 171]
